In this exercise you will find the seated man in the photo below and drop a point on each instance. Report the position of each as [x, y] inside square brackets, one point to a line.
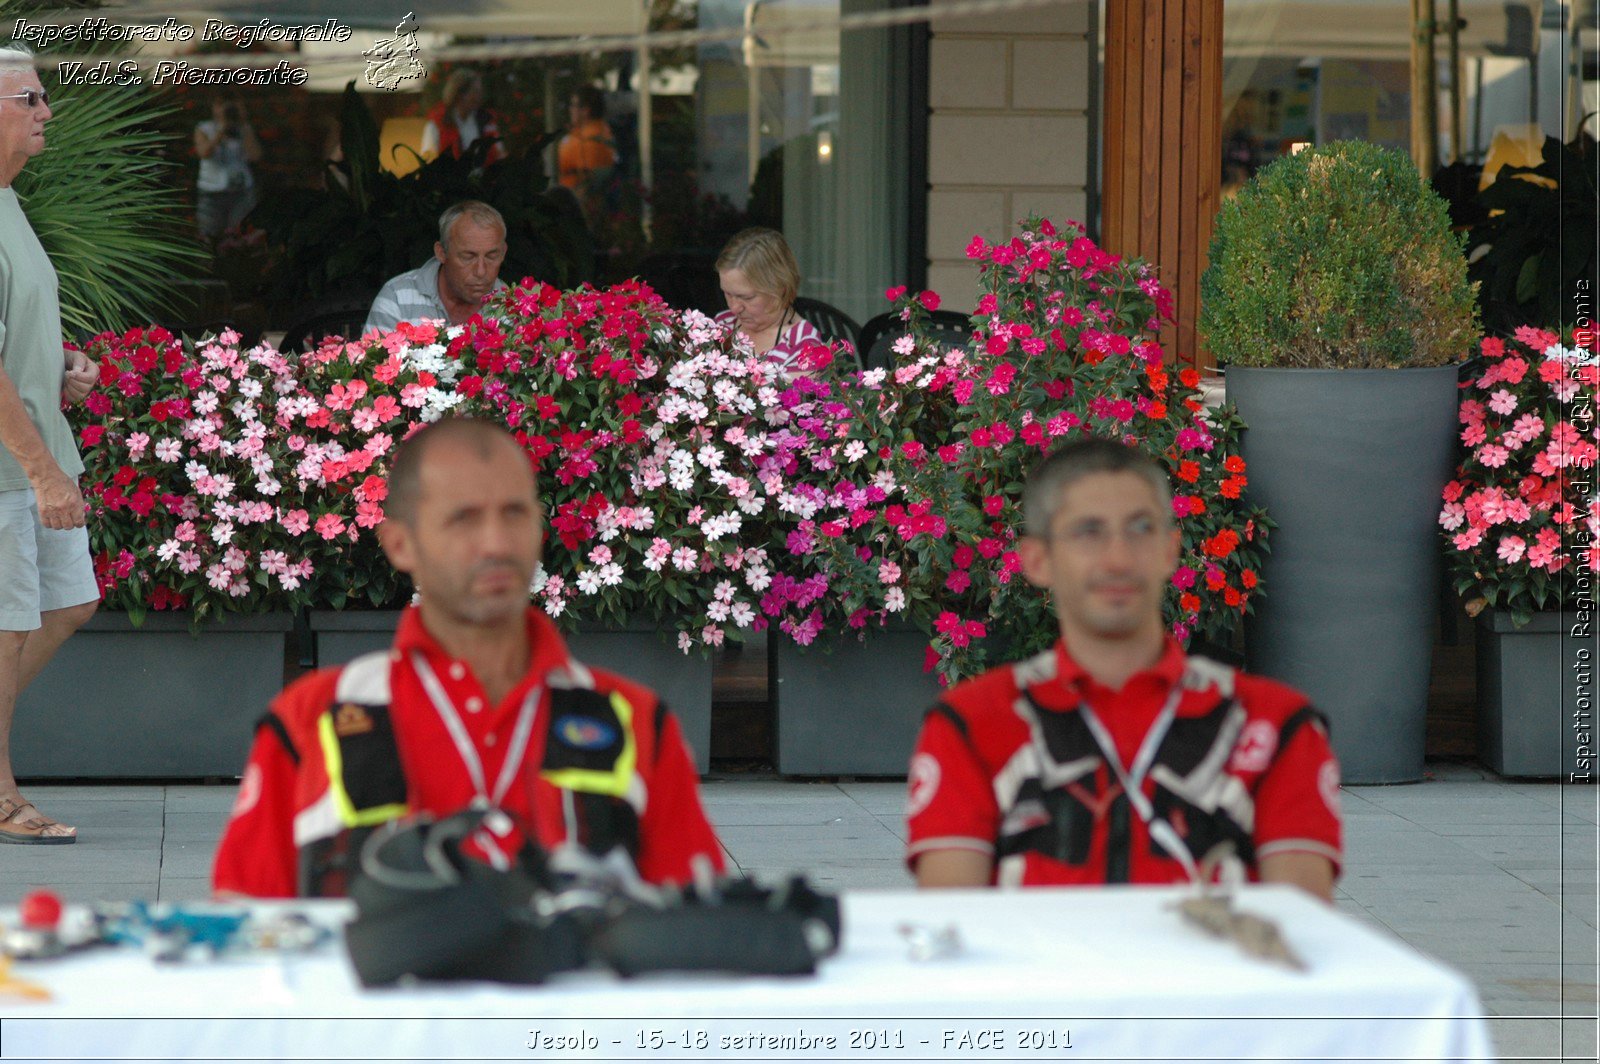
[478, 703]
[452, 285]
[1114, 757]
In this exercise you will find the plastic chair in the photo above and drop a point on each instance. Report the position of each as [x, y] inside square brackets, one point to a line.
[343, 317]
[878, 335]
[831, 322]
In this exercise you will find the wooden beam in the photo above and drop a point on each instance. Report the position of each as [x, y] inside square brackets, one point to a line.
[1163, 150]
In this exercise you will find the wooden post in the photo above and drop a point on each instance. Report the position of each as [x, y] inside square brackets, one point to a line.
[1162, 170]
[1457, 151]
[1424, 91]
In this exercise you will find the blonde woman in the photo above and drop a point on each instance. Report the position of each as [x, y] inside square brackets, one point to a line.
[460, 118]
[760, 280]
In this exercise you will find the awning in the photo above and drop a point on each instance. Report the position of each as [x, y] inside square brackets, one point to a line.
[1371, 29]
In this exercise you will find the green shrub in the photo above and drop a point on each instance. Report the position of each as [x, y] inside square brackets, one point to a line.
[1337, 258]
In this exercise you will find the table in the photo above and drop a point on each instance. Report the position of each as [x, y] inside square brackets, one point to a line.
[1044, 974]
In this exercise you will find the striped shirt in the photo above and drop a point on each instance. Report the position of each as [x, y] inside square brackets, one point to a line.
[411, 297]
[785, 351]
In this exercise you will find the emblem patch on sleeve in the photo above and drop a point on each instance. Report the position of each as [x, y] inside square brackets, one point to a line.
[922, 784]
[1328, 785]
[249, 791]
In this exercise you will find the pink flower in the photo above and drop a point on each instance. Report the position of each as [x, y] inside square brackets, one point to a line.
[1492, 456]
[888, 572]
[1511, 549]
[330, 526]
[295, 522]
[1502, 402]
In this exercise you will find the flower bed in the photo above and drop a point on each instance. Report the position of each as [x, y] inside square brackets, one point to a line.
[685, 481]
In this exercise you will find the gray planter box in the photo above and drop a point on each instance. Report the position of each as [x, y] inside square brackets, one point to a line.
[119, 702]
[1350, 464]
[848, 708]
[636, 651]
[1536, 695]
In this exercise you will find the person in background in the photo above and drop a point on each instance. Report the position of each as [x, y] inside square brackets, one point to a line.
[460, 119]
[47, 584]
[226, 144]
[451, 286]
[760, 280]
[479, 704]
[587, 155]
[1114, 757]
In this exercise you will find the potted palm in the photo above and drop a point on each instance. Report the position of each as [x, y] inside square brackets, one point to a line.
[1521, 532]
[1337, 296]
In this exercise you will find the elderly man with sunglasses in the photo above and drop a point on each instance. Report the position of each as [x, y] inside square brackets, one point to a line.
[47, 584]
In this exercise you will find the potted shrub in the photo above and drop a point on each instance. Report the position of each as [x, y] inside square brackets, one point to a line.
[916, 522]
[1337, 296]
[1522, 539]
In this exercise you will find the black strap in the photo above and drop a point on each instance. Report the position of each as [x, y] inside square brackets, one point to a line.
[274, 723]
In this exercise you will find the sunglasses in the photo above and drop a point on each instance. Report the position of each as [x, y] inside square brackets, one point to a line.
[34, 98]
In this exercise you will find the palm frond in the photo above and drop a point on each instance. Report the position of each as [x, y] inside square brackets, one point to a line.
[106, 207]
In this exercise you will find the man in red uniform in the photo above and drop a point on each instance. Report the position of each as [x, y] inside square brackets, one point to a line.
[1114, 757]
[478, 704]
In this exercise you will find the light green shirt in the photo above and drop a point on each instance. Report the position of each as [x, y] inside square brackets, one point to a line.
[30, 340]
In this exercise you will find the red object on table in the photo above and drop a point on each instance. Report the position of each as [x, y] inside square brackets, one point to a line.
[41, 910]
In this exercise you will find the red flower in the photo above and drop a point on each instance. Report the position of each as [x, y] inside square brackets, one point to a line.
[929, 300]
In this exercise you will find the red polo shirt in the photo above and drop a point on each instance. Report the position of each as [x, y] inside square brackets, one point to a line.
[1006, 765]
[284, 799]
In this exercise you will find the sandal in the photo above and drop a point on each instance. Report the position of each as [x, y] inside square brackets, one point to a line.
[17, 826]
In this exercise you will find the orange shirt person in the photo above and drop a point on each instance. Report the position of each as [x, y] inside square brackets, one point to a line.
[587, 154]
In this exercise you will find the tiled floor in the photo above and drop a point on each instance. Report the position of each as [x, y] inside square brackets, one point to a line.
[1495, 877]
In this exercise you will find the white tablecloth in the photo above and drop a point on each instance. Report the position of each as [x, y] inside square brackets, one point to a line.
[1112, 974]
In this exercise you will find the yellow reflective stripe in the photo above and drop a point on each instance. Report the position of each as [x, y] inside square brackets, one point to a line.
[349, 815]
[619, 779]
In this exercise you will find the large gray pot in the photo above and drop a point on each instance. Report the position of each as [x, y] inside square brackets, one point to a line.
[1350, 464]
[850, 708]
[1536, 694]
[119, 702]
[636, 651]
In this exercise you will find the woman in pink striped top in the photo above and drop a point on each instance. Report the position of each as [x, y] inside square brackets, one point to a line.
[760, 279]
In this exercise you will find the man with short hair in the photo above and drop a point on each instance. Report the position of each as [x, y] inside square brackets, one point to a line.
[451, 286]
[478, 704]
[47, 584]
[1114, 757]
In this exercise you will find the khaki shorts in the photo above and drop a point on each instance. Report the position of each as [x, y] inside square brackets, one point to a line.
[41, 569]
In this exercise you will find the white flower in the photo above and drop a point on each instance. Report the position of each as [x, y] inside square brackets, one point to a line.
[611, 574]
[855, 450]
[539, 581]
[169, 550]
[742, 615]
[589, 581]
[685, 558]
[709, 457]
[894, 600]
[757, 577]
[168, 450]
[555, 606]
[717, 611]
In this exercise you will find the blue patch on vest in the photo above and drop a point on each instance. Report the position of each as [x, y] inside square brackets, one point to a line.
[585, 733]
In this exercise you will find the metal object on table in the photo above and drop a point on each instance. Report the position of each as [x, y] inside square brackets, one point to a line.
[926, 942]
[1212, 911]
